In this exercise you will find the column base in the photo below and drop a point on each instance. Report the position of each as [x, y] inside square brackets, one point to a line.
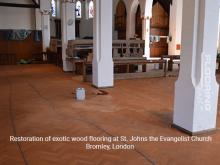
[102, 87]
[209, 131]
[68, 66]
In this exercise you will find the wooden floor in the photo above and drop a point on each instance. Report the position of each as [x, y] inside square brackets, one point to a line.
[37, 100]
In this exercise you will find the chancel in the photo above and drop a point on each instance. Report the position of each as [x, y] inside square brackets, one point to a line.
[118, 82]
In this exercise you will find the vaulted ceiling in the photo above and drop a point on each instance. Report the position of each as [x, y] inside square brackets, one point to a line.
[165, 3]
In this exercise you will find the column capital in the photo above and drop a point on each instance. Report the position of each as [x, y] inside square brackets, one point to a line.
[45, 12]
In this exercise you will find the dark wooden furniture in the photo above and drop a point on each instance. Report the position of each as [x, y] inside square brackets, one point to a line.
[54, 52]
[7, 59]
[122, 49]
[19, 49]
[127, 55]
[58, 28]
[77, 28]
[171, 59]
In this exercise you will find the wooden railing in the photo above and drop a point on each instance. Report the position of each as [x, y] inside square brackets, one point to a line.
[121, 48]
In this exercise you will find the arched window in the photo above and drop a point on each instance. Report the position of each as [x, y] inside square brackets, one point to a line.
[91, 9]
[120, 20]
[78, 9]
[53, 8]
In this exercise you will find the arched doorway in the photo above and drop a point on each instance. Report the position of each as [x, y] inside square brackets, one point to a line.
[120, 20]
[138, 23]
[159, 27]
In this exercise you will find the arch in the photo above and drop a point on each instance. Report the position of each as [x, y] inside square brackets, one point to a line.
[138, 23]
[115, 4]
[131, 18]
[121, 19]
[159, 27]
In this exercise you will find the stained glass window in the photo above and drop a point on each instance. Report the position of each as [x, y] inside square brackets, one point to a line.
[91, 9]
[78, 9]
[53, 8]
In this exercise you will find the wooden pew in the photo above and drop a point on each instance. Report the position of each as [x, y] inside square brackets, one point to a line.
[126, 53]
[172, 59]
[128, 63]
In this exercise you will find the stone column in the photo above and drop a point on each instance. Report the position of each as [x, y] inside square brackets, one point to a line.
[102, 30]
[218, 44]
[68, 30]
[175, 27]
[147, 17]
[196, 91]
[130, 27]
[44, 21]
[38, 20]
[147, 37]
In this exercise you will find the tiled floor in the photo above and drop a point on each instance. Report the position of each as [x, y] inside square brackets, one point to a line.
[37, 100]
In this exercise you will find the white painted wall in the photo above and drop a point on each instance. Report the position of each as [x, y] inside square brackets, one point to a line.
[86, 25]
[86, 28]
[17, 18]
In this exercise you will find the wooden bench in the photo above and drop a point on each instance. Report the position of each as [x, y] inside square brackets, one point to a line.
[127, 54]
[128, 63]
[121, 48]
[172, 59]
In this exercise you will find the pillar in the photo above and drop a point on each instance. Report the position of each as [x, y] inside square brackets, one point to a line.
[45, 9]
[45, 22]
[196, 90]
[218, 43]
[175, 27]
[130, 28]
[146, 36]
[68, 30]
[102, 30]
[38, 24]
[147, 17]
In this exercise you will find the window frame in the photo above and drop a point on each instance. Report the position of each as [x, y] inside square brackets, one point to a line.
[90, 16]
[78, 17]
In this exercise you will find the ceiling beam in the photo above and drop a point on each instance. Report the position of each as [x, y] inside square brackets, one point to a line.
[19, 5]
[34, 1]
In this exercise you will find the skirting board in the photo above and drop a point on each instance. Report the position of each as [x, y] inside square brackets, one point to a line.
[210, 131]
[124, 76]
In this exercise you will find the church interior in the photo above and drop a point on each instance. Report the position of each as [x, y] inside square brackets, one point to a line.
[144, 73]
